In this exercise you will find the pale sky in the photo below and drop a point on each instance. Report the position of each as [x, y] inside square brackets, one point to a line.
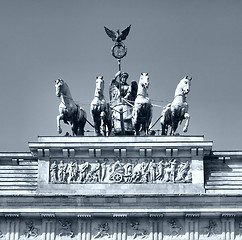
[43, 40]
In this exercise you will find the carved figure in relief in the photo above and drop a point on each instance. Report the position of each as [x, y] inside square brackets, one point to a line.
[211, 228]
[160, 170]
[62, 171]
[142, 111]
[53, 171]
[177, 111]
[70, 112]
[30, 231]
[103, 170]
[136, 177]
[170, 171]
[240, 228]
[175, 228]
[65, 229]
[182, 171]
[83, 168]
[72, 171]
[128, 172]
[137, 230]
[103, 230]
[144, 172]
[98, 171]
[100, 110]
[152, 171]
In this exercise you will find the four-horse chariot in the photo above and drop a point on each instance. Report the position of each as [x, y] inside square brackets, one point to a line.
[129, 110]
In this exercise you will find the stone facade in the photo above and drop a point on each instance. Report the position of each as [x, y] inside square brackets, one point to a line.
[121, 188]
[153, 227]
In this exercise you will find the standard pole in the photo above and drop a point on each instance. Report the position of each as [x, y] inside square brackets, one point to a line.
[120, 98]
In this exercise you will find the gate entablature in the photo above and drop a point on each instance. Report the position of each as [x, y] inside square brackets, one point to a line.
[121, 165]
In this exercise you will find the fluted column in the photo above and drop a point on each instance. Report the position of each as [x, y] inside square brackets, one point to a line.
[120, 227]
[13, 228]
[84, 227]
[156, 226]
[228, 226]
[192, 226]
[48, 227]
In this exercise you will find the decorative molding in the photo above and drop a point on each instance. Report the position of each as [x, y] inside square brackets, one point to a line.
[120, 215]
[84, 215]
[192, 215]
[12, 215]
[47, 215]
[46, 152]
[156, 215]
[228, 215]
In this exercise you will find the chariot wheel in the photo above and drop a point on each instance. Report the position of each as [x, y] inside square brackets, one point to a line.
[117, 177]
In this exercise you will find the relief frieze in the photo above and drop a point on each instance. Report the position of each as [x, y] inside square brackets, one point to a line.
[121, 171]
[65, 229]
[137, 230]
[175, 228]
[31, 230]
[102, 231]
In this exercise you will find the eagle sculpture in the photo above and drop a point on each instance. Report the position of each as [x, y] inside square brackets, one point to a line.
[117, 36]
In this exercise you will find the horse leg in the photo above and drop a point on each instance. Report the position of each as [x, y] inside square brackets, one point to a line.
[137, 129]
[135, 114]
[174, 122]
[58, 119]
[103, 123]
[81, 122]
[163, 129]
[163, 126]
[97, 125]
[74, 129]
[109, 124]
[81, 130]
[187, 117]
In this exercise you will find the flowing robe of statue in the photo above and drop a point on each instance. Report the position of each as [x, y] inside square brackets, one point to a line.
[122, 96]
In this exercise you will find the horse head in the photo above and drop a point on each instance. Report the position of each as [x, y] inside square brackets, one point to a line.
[144, 80]
[184, 86]
[99, 86]
[58, 87]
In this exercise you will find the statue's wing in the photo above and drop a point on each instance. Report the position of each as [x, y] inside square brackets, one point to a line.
[125, 33]
[110, 33]
[134, 90]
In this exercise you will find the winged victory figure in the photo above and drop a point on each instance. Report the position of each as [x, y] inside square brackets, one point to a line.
[117, 36]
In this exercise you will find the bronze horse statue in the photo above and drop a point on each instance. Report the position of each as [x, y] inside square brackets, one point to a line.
[100, 110]
[177, 111]
[142, 110]
[70, 112]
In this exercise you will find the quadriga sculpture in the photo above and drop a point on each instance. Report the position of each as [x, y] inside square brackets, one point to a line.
[142, 111]
[177, 111]
[100, 110]
[70, 112]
